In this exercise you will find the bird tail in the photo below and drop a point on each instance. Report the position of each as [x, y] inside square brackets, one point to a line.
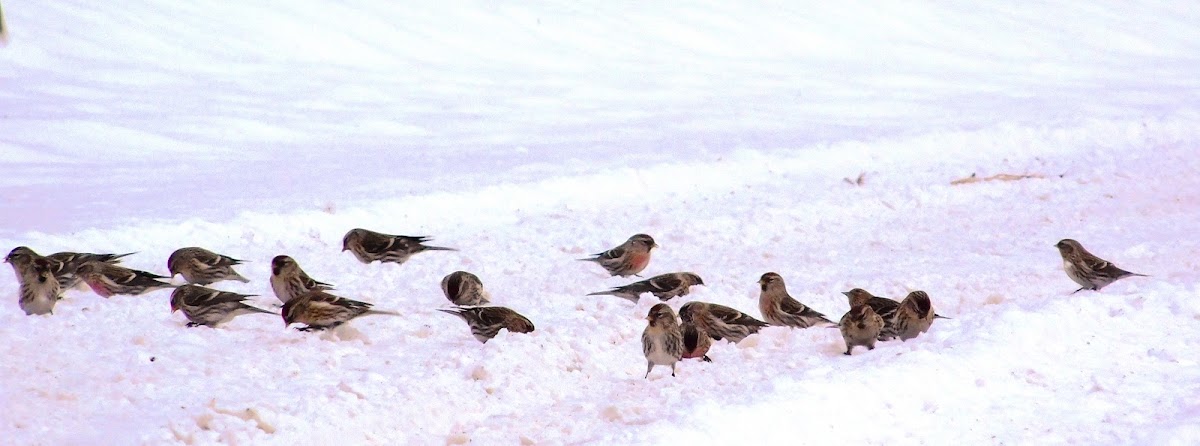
[455, 311]
[240, 278]
[589, 259]
[439, 248]
[385, 312]
[938, 316]
[115, 258]
[254, 309]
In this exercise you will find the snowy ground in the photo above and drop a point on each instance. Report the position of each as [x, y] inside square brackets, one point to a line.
[528, 136]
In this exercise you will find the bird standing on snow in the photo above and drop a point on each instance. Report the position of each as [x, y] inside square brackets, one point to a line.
[664, 287]
[1089, 271]
[719, 321]
[288, 280]
[200, 266]
[39, 290]
[486, 322]
[370, 246]
[628, 259]
[108, 280]
[209, 307]
[779, 308]
[914, 316]
[860, 326]
[319, 310]
[884, 307]
[696, 341]
[463, 288]
[62, 264]
[662, 341]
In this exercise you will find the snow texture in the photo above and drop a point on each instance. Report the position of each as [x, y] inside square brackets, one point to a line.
[530, 134]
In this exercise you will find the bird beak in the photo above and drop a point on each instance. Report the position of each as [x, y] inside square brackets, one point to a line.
[847, 293]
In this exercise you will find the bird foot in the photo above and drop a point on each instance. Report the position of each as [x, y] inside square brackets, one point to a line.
[706, 359]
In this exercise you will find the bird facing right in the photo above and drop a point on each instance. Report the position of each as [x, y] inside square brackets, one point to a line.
[1089, 271]
[319, 310]
[108, 280]
[914, 316]
[200, 266]
[486, 322]
[209, 307]
[860, 326]
[663, 286]
[628, 258]
[370, 246]
[779, 308]
[464, 288]
[719, 321]
[662, 340]
[288, 280]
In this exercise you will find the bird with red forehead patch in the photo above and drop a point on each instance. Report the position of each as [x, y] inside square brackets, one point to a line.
[860, 326]
[61, 264]
[627, 259]
[663, 286]
[38, 291]
[319, 310]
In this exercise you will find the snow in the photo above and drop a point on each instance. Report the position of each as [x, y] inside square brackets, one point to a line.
[530, 135]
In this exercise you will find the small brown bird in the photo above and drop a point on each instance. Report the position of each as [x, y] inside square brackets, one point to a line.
[663, 286]
[914, 316]
[200, 266]
[370, 246]
[884, 307]
[719, 321]
[209, 307]
[696, 341]
[779, 308]
[288, 280]
[108, 280]
[463, 288]
[319, 310]
[39, 290]
[62, 264]
[486, 322]
[860, 326]
[662, 341]
[628, 259]
[1089, 271]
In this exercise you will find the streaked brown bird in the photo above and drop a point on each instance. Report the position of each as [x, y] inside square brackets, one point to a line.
[1089, 271]
[882, 306]
[61, 264]
[486, 322]
[209, 307]
[288, 280]
[719, 321]
[696, 341]
[38, 291]
[662, 340]
[108, 280]
[914, 316]
[663, 286]
[780, 308]
[319, 310]
[860, 326]
[464, 288]
[628, 258]
[200, 266]
[370, 246]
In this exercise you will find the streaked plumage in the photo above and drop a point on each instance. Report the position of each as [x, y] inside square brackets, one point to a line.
[61, 264]
[464, 288]
[696, 341]
[664, 287]
[486, 322]
[319, 310]
[200, 266]
[370, 246]
[914, 316]
[628, 259]
[38, 291]
[662, 340]
[209, 307]
[108, 280]
[1089, 271]
[779, 308]
[860, 326]
[288, 280]
[719, 321]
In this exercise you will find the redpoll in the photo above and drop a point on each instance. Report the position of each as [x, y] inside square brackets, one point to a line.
[201, 267]
[664, 287]
[779, 308]
[370, 246]
[108, 280]
[463, 288]
[628, 259]
[1089, 271]
[289, 281]
[209, 307]
[860, 326]
[719, 321]
[662, 341]
[319, 310]
[486, 322]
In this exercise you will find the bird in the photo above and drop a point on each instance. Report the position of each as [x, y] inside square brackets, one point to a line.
[860, 326]
[663, 286]
[288, 280]
[662, 340]
[200, 266]
[696, 341]
[779, 308]
[463, 288]
[627, 259]
[1089, 271]
[108, 280]
[719, 321]
[61, 264]
[39, 290]
[884, 307]
[370, 246]
[319, 310]
[209, 307]
[486, 322]
[914, 315]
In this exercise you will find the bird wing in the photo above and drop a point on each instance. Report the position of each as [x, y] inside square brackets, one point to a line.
[660, 283]
[884, 307]
[734, 317]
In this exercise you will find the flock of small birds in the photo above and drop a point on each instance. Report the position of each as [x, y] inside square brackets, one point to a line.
[667, 339]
